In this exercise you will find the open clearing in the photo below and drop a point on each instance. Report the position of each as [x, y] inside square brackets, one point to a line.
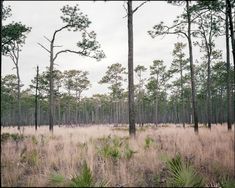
[115, 159]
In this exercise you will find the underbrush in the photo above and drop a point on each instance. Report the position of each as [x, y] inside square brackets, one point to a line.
[156, 157]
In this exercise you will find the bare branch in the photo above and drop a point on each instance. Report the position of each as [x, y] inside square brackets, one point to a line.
[125, 7]
[47, 39]
[58, 46]
[12, 58]
[178, 32]
[65, 51]
[139, 6]
[56, 31]
[71, 51]
[135, 8]
[44, 48]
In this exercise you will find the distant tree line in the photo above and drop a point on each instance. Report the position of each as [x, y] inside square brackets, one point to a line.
[162, 97]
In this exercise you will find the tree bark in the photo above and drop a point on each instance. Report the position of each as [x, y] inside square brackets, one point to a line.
[36, 102]
[182, 94]
[18, 95]
[192, 71]
[209, 91]
[51, 97]
[229, 12]
[130, 70]
[228, 74]
[156, 109]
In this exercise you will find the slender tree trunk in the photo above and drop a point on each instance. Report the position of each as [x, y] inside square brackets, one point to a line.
[221, 106]
[18, 96]
[228, 74]
[36, 102]
[192, 71]
[182, 94]
[69, 110]
[209, 91]
[130, 71]
[51, 97]
[1, 50]
[59, 111]
[39, 112]
[229, 12]
[156, 109]
[156, 105]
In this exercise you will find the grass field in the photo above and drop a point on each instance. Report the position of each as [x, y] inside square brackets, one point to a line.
[113, 158]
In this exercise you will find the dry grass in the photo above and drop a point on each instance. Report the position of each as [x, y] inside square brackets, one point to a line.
[31, 162]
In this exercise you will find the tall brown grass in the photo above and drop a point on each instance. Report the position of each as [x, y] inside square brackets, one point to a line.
[34, 160]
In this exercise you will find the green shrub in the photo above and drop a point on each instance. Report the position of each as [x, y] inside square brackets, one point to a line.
[14, 136]
[34, 140]
[128, 152]
[5, 137]
[31, 157]
[117, 141]
[85, 179]
[57, 179]
[147, 142]
[114, 148]
[182, 175]
[110, 147]
[227, 183]
[17, 137]
[110, 151]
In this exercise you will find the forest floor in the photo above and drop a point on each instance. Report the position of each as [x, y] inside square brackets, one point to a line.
[30, 158]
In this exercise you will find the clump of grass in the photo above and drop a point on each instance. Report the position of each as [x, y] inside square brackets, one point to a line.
[34, 140]
[57, 179]
[31, 157]
[59, 146]
[85, 179]
[182, 174]
[109, 148]
[227, 182]
[128, 152]
[120, 128]
[142, 129]
[5, 137]
[17, 137]
[14, 136]
[114, 148]
[147, 142]
[110, 151]
[82, 145]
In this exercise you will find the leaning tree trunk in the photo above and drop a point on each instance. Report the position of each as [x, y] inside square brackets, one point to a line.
[130, 70]
[228, 75]
[192, 71]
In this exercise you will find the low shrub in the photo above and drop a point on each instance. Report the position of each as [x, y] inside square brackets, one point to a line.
[147, 142]
[182, 174]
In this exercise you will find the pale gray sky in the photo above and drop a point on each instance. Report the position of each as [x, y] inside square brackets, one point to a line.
[111, 28]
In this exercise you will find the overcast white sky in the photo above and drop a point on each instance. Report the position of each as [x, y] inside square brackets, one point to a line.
[111, 28]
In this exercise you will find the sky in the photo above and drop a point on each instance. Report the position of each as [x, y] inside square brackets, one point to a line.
[111, 27]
